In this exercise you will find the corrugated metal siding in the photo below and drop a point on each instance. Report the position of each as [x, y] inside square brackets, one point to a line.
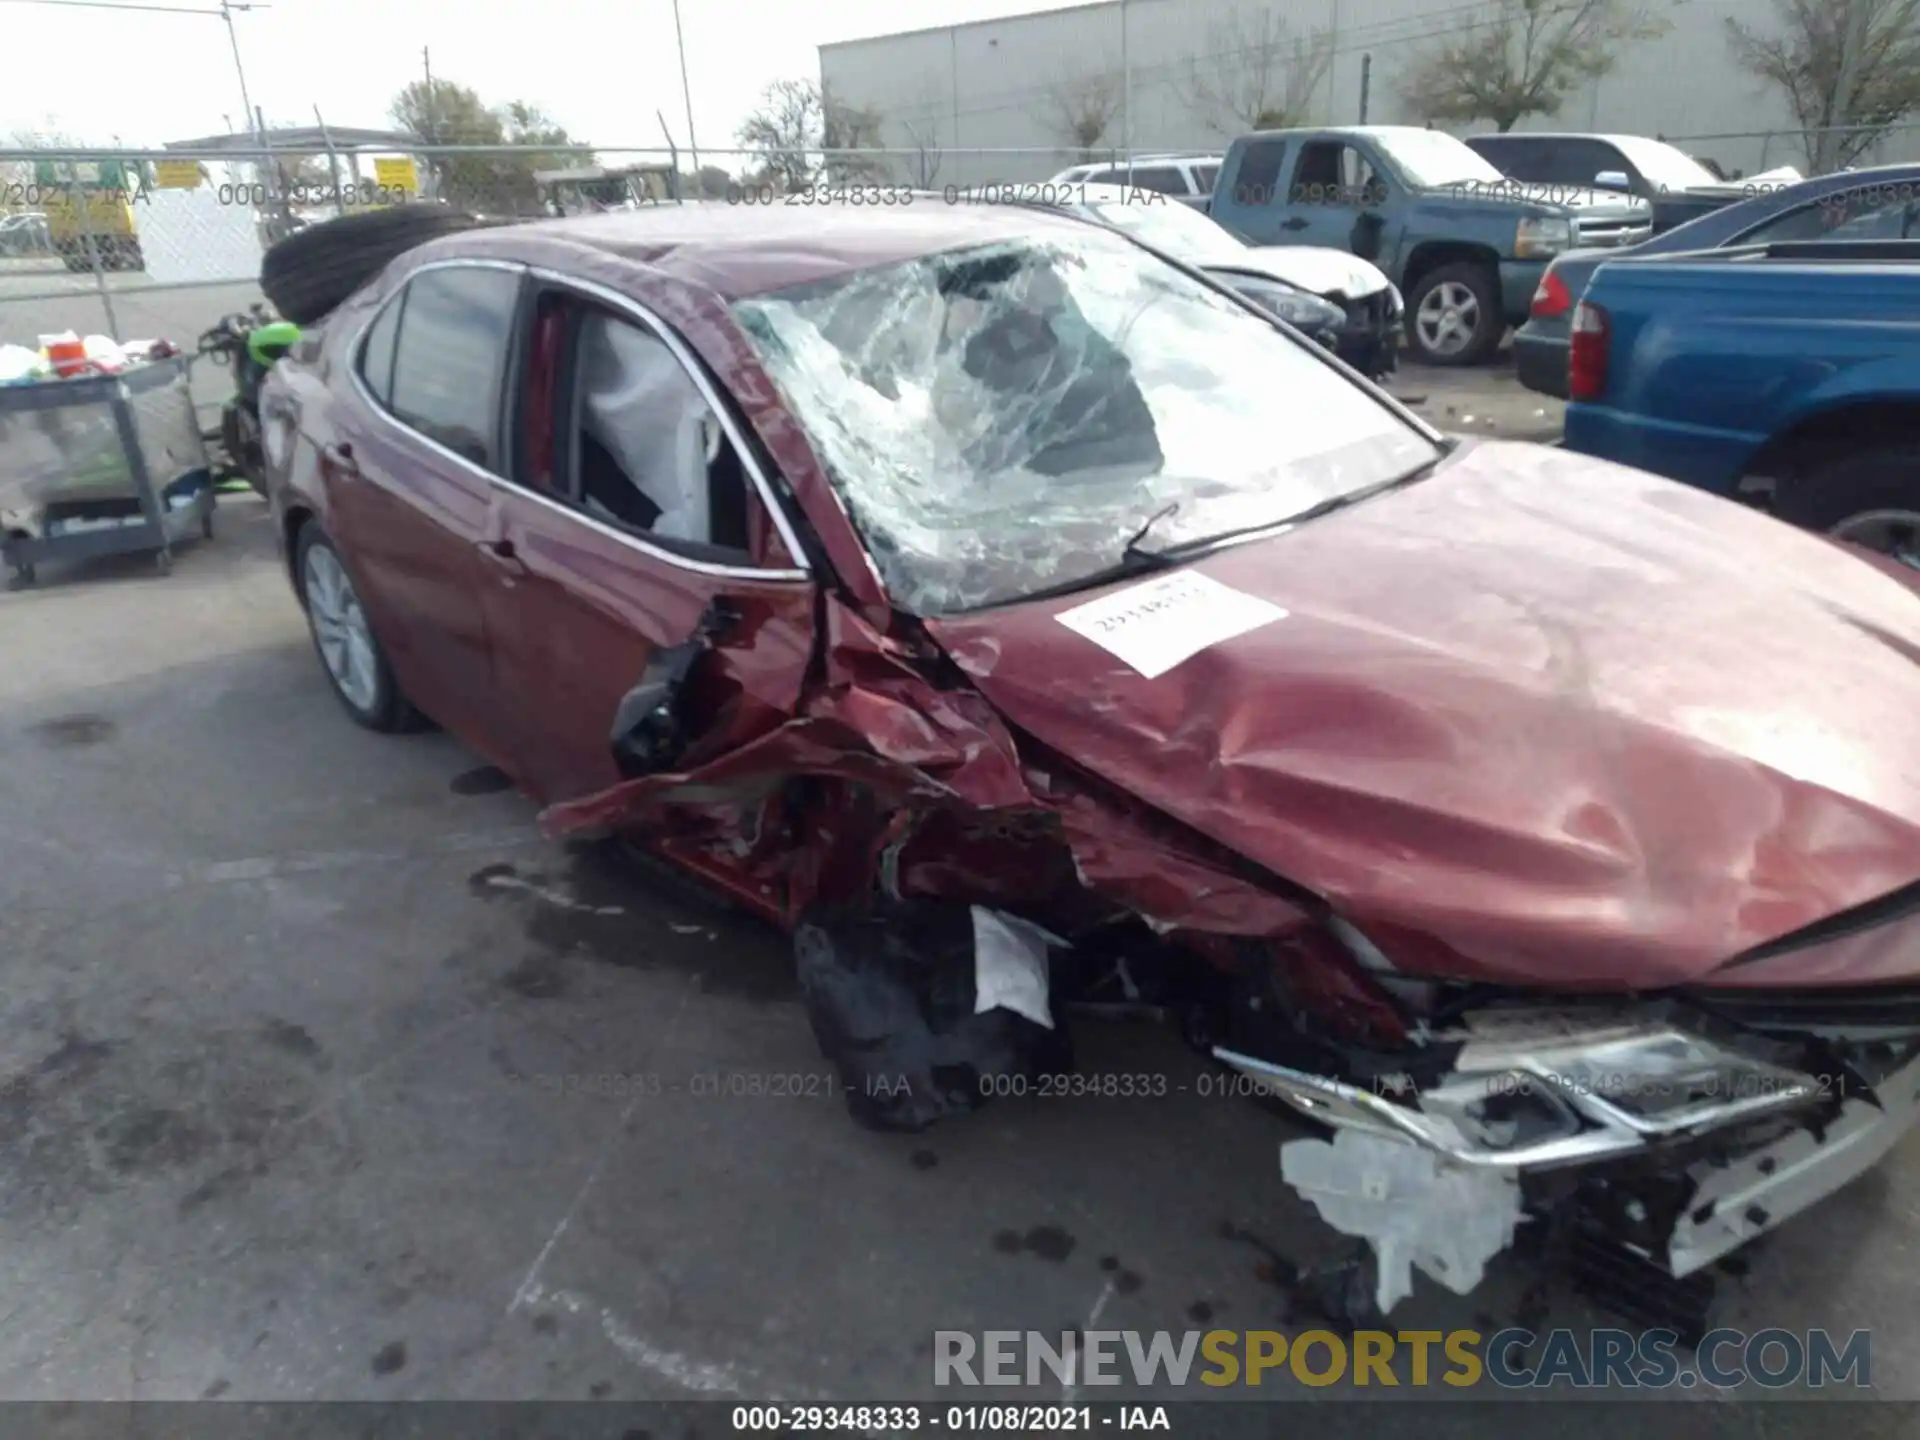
[998, 83]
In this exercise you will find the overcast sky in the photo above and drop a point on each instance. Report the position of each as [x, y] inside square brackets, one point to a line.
[600, 67]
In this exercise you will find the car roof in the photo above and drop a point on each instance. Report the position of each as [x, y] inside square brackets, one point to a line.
[741, 249]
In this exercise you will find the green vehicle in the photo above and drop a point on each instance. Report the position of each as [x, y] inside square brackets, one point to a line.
[89, 209]
[248, 344]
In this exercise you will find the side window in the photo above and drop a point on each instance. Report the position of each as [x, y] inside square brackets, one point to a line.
[1851, 215]
[1164, 179]
[451, 358]
[1204, 177]
[1520, 158]
[376, 351]
[1362, 185]
[1330, 173]
[1257, 182]
[1577, 162]
[648, 452]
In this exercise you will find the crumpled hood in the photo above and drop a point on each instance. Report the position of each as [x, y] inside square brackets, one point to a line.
[1584, 726]
[1311, 267]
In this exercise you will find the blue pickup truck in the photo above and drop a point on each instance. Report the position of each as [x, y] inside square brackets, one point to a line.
[1788, 373]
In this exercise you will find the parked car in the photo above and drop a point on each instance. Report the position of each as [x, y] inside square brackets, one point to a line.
[1340, 300]
[1009, 613]
[1678, 187]
[1855, 204]
[1187, 178]
[1795, 364]
[1464, 244]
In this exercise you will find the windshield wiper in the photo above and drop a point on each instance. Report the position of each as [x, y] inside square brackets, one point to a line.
[1131, 552]
[1174, 554]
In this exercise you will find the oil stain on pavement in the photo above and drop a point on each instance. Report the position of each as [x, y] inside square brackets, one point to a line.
[74, 732]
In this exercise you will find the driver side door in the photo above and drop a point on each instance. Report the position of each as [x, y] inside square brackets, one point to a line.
[637, 511]
[1336, 186]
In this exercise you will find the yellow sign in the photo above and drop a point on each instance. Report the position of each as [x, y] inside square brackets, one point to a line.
[177, 174]
[396, 175]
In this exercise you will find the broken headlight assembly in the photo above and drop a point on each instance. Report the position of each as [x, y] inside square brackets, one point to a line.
[1569, 1091]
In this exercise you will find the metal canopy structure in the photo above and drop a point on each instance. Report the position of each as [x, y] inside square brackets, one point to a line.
[302, 138]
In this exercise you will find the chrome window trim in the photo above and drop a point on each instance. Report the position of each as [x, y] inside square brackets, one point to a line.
[612, 532]
[749, 460]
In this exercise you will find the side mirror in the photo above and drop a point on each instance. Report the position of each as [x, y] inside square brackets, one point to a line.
[1612, 180]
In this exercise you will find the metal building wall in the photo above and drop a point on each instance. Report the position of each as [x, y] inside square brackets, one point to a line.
[995, 84]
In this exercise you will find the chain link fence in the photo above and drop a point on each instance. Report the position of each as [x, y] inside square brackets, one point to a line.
[162, 243]
[159, 244]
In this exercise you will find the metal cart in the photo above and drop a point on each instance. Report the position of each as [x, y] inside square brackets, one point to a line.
[101, 465]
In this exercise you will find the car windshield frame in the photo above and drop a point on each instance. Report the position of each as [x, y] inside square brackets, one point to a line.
[1396, 147]
[1152, 408]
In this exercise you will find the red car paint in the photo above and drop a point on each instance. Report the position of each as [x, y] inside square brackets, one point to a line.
[1536, 719]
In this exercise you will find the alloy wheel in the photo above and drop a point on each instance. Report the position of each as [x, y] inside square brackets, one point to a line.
[1895, 533]
[1448, 316]
[340, 629]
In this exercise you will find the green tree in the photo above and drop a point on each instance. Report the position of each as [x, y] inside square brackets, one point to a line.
[795, 123]
[524, 139]
[1526, 60]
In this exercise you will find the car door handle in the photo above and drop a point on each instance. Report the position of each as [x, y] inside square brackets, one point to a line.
[1297, 222]
[504, 556]
[339, 456]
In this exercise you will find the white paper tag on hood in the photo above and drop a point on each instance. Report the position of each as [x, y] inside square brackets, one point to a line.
[1155, 626]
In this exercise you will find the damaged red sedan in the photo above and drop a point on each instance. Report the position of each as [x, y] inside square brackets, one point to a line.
[1019, 618]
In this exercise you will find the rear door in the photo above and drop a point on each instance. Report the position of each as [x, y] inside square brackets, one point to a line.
[1252, 199]
[637, 509]
[410, 476]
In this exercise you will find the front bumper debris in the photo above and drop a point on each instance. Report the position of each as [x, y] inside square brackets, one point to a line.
[1526, 1121]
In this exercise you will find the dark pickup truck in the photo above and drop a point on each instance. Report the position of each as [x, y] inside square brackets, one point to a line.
[1465, 245]
[1788, 371]
[1678, 187]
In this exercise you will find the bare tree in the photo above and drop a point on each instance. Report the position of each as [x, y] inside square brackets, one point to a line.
[1255, 74]
[1527, 60]
[925, 163]
[1849, 69]
[1081, 108]
[796, 121]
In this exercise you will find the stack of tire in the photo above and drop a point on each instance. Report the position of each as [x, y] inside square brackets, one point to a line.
[312, 272]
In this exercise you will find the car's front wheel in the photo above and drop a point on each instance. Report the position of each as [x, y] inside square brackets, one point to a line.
[343, 636]
[1454, 315]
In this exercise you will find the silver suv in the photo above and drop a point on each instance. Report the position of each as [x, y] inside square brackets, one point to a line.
[1187, 178]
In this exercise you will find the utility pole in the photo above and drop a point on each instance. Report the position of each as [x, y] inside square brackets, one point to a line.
[240, 70]
[1853, 48]
[433, 129]
[686, 91]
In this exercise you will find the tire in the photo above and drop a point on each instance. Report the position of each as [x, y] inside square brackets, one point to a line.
[1450, 287]
[312, 272]
[381, 706]
[1868, 493]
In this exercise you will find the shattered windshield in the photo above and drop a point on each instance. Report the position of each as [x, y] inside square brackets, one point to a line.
[1004, 419]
